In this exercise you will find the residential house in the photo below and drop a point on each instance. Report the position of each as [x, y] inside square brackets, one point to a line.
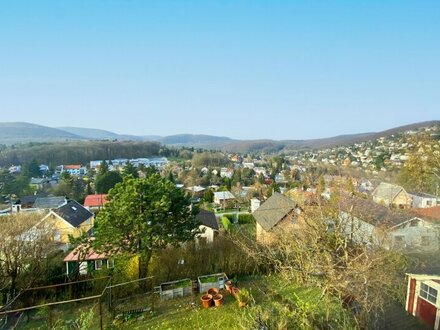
[391, 195]
[70, 219]
[83, 259]
[38, 203]
[422, 200]
[226, 172]
[223, 197]
[366, 222]
[209, 226]
[14, 169]
[423, 299]
[39, 183]
[96, 201]
[276, 213]
[71, 169]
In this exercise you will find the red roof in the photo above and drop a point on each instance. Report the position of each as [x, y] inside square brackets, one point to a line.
[78, 253]
[429, 213]
[72, 167]
[95, 200]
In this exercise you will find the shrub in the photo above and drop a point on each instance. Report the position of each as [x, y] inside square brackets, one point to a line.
[245, 219]
[226, 223]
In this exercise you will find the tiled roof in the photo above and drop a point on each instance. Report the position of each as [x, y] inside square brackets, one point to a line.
[49, 202]
[207, 219]
[387, 191]
[373, 213]
[95, 200]
[429, 213]
[272, 211]
[74, 213]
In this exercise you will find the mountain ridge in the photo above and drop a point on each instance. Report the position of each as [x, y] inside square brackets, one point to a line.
[22, 132]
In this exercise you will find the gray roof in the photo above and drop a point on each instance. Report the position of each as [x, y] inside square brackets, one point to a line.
[49, 202]
[423, 195]
[372, 213]
[207, 219]
[224, 195]
[74, 213]
[272, 211]
[387, 191]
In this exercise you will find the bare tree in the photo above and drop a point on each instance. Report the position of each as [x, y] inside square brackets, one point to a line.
[24, 242]
[319, 252]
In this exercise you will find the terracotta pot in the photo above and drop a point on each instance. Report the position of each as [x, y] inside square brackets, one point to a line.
[235, 291]
[206, 300]
[228, 286]
[213, 291]
[218, 300]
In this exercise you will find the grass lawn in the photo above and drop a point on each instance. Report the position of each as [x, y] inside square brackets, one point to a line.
[270, 295]
[187, 313]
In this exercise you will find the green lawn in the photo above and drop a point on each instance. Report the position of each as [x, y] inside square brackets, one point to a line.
[273, 300]
[268, 294]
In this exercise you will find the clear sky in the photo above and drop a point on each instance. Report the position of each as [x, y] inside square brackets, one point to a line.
[243, 69]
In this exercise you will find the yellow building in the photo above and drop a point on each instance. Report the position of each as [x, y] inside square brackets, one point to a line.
[70, 219]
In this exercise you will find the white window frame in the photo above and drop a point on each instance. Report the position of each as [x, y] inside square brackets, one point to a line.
[428, 293]
[110, 263]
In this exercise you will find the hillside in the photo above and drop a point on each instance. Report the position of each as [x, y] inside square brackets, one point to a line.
[99, 134]
[11, 133]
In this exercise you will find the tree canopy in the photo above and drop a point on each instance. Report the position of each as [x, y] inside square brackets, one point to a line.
[145, 215]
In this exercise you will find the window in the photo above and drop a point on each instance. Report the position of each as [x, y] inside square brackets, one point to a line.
[110, 263]
[98, 264]
[56, 235]
[428, 293]
[83, 267]
[428, 203]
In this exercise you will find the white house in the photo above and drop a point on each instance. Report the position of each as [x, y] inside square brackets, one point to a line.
[208, 226]
[422, 200]
[221, 197]
[369, 223]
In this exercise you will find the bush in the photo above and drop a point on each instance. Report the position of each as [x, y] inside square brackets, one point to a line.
[226, 223]
[245, 219]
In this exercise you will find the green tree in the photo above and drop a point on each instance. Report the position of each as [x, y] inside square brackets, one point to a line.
[143, 216]
[129, 169]
[32, 169]
[107, 181]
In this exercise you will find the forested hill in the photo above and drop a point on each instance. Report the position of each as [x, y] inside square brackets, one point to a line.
[77, 152]
[11, 133]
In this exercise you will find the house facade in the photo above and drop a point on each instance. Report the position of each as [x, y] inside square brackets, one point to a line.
[366, 222]
[222, 197]
[70, 219]
[388, 194]
[422, 299]
[276, 214]
[83, 260]
[422, 200]
[208, 226]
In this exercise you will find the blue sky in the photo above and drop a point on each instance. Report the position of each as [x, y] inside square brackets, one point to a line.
[244, 69]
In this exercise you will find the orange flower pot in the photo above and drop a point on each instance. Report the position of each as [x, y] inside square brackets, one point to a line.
[218, 300]
[206, 300]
